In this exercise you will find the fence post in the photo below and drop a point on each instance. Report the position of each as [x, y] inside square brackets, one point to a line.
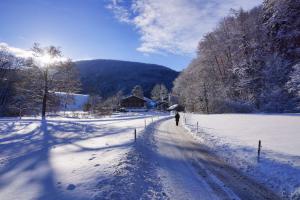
[197, 127]
[258, 151]
[152, 119]
[184, 120]
[135, 135]
[145, 123]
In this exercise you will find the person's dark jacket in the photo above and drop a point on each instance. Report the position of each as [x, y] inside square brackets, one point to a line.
[177, 116]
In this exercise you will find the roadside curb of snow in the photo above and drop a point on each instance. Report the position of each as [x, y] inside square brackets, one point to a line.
[135, 177]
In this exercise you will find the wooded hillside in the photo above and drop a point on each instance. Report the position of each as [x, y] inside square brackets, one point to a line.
[250, 62]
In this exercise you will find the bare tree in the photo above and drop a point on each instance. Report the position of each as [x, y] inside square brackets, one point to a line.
[9, 65]
[50, 73]
[67, 82]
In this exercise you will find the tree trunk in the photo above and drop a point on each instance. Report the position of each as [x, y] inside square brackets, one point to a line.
[45, 95]
[44, 105]
[206, 98]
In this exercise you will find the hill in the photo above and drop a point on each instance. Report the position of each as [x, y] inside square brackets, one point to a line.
[107, 77]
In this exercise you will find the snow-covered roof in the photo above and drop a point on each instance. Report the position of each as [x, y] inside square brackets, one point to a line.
[173, 107]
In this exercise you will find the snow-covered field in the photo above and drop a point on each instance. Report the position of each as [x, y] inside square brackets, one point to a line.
[235, 138]
[63, 158]
[83, 157]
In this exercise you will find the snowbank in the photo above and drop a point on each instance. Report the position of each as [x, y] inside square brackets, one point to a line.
[235, 138]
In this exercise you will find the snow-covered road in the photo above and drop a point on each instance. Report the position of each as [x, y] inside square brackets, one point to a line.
[189, 171]
[166, 162]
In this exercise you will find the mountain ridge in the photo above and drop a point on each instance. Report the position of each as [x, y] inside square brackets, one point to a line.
[105, 77]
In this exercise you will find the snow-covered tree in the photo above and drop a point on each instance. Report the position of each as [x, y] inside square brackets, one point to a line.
[246, 63]
[138, 91]
[114, 101]
[282, 26]
[282, 22]
[293, 85]
[159, 92]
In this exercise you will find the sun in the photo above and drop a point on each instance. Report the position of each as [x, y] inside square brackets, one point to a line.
[47, 59]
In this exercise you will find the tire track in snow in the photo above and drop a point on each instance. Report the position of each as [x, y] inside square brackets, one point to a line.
[179, 156]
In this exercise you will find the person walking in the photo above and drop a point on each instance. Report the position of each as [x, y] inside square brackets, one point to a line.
[177, 117]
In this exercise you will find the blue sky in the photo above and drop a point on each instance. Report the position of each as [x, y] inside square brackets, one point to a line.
[152, 31]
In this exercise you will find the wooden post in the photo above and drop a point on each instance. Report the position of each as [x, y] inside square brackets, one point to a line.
[258, 151]
[135, 135]
[184, 120]
[152, 119]
[197, 127]
[145, 123]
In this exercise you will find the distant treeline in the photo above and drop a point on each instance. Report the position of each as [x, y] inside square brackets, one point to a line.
[249, 63]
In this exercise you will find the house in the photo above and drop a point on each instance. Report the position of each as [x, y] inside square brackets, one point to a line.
[134, 103]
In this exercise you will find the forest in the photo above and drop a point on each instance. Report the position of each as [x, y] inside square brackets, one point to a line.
[249, 63]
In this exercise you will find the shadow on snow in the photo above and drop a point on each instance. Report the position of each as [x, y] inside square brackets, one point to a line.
[29, 152]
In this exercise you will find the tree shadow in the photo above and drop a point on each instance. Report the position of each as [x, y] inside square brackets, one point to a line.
[29, 154]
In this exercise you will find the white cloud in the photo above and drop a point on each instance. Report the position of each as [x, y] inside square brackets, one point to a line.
[16, 51]
[22, 53]
[174, 26]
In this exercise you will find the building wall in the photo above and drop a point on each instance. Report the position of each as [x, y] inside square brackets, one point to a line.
[133, 102]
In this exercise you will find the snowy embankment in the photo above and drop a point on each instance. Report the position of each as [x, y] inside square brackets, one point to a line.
[65, 158]
[235, 138]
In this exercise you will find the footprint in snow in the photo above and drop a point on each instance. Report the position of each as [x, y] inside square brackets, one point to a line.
[71, 187]
[92, 158]
[96, 165]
